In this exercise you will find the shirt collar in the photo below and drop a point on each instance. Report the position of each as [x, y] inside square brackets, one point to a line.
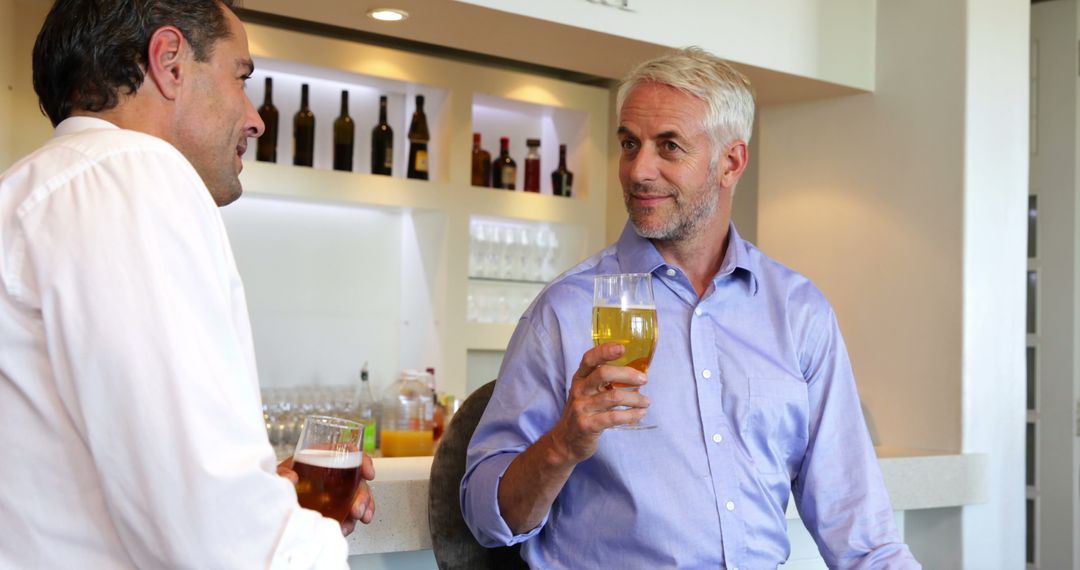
[78, 124]
[638, 255]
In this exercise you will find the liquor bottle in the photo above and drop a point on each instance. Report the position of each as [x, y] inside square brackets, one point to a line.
[503, 168]
[304, 132]
[561, 178]
[344, 136]
[532, 166]
[366, 409]
[481, 163]
[418, 139]
[382, 143]
[266, 146]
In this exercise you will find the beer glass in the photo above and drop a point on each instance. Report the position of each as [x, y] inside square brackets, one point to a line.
[327, 462]
[624, 312]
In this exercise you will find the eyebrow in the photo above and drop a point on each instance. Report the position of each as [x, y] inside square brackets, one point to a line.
[662, 135]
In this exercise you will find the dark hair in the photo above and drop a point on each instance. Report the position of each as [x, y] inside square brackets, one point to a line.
[90, 52]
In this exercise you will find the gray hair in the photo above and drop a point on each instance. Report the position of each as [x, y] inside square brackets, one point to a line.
[726, 92]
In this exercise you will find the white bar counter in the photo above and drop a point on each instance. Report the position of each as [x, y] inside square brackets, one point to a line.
[915, 478]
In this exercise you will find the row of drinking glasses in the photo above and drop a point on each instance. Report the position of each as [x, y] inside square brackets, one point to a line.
[284, 410]
[511, 251]
[489, 303]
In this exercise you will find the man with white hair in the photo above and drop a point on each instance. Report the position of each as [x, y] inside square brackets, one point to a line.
[750, 385]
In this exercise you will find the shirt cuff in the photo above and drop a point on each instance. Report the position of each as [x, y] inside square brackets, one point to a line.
[311, 541]
[480, 500]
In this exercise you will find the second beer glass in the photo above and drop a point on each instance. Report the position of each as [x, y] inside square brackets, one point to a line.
[327, 461]
[624, 312]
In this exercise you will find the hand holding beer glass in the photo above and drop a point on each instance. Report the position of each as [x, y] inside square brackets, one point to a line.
[624, 312]
[327, 463]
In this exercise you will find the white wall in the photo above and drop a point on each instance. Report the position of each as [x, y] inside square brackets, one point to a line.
[831, 40]
[995, 264]
[906, 207]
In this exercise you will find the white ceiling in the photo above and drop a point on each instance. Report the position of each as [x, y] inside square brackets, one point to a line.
[478, 30]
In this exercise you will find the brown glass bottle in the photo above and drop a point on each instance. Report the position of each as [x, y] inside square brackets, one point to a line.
[418, 139]
[561, 178]
[344, 136]
[266, 145]
[503, 168]
[532, 166]
[304, 132]
[481, 163]
[382, 143]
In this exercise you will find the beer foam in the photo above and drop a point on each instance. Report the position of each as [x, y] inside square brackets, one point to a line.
[627, 307]
[329, 459]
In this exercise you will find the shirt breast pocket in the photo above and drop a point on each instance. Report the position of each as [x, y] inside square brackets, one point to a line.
[777, 426]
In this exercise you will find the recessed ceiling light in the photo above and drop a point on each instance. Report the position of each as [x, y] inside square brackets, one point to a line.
[387, 14]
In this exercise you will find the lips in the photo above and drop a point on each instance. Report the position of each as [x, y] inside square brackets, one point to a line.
[648, 199]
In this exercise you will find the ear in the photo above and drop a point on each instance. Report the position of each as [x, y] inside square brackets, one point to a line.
[167, 55]
[733, 163]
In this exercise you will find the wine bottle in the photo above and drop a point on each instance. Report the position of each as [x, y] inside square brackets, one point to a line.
[344, 136]
[532, 166]
[418, 139]
[503, 168]
[561, 178]
[481, 163]
[382, 143]
[266, 146]
[304, 132]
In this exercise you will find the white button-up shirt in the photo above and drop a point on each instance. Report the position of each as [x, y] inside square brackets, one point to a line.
[132, 431]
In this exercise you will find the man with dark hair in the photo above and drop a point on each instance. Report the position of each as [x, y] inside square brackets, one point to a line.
[133, 436]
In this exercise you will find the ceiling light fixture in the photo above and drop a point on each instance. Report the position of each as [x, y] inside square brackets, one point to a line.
[387, 14]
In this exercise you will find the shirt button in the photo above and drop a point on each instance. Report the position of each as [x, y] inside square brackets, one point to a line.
[717, 438]
[670, 272]
[731, 507]
[706, 374]
[697, 312]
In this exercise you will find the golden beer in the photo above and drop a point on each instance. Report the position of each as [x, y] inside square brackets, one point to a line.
[632, 327]
[328, 481]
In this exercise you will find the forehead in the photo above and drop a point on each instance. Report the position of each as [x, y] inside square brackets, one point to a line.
[235, 45]
[654, 107]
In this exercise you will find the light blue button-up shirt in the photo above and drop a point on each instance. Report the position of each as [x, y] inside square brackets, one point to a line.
[754, 400]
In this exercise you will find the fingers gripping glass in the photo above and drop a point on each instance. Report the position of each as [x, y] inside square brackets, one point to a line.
[327, 463]
[624, 312]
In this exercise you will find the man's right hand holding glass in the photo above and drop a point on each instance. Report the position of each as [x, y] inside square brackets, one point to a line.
[533, 480]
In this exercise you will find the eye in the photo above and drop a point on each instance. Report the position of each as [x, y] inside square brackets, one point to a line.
[628, 144]
[670, 146]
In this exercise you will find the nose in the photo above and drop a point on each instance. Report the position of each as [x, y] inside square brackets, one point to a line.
[253, 123]
[642, 166]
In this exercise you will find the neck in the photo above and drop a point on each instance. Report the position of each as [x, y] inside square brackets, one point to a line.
[145, 114]
[701, 255]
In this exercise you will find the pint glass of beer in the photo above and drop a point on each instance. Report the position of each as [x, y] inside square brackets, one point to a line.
[327, 462]
[624, 312]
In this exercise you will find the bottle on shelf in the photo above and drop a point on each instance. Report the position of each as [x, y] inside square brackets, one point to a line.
[304, 132]
[344, 136]
[382, 143]
[366, 409]
[418, 139]
[481, 163]
[266, 146]
[503, 168]
[561, 178]
[532, 166]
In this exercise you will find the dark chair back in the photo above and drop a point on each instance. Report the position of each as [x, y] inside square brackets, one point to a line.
[454, 545]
